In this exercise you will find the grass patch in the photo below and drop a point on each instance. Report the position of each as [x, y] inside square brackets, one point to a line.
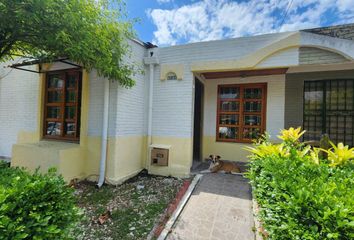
[134, 207]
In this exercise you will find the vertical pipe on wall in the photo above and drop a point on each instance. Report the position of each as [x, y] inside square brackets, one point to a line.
[104, 134]
[151, 85]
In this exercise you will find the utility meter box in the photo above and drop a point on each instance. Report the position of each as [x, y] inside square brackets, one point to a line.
[159, 156]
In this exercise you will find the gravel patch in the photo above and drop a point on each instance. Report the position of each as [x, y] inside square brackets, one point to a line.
[127, 211]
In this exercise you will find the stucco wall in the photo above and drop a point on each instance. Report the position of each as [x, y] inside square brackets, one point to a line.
[274, 115]
[18, 105]
[287, 57]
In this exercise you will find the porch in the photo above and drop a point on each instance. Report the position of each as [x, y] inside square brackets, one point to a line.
[233, 108]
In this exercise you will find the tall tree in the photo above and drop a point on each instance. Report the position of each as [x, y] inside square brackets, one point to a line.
[92, 33]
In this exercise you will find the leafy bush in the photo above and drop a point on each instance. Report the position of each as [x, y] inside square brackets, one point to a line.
[302, 196]
[35, 206]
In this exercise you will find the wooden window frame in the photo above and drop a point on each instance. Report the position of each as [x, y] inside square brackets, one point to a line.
[62, 105]
[241, 113]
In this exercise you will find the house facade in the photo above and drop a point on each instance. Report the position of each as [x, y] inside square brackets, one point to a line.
[191, 101]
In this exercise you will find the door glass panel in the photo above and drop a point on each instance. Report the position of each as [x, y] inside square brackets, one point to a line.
[55, 81]
[53, 128]
[228, 132]
[70, 129]
[252, 106]
[53, 112]
[55, 96]
[228, 119]
[229, 92]
[253, 93]
[70, 112]
[251, 133]
[252, 120]
[229, 106]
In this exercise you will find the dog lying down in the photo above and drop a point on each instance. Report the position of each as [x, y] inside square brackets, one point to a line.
[219, 166]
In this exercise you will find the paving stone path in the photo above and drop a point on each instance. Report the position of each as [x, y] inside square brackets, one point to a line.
[220, 208]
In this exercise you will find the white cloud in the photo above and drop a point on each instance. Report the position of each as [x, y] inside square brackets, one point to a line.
[216, 19]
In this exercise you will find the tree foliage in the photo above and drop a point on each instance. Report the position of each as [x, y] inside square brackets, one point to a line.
[92, 33]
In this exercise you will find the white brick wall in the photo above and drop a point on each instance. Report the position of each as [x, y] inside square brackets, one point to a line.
[172, 106]
[18, 105]
[131, 115]
[127, 106]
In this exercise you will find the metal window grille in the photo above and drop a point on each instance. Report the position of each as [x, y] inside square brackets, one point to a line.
[329, 108]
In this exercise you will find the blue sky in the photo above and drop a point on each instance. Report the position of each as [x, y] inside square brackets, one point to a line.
[171, 22]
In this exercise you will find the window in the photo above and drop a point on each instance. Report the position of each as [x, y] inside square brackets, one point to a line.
[171, 76]
[241, 112]
[329, 108]
[62, 105]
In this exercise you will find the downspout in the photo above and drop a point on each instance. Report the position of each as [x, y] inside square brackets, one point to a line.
[151, 85]
[104, 134]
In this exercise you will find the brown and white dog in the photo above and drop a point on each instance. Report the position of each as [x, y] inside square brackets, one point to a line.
[218, 165]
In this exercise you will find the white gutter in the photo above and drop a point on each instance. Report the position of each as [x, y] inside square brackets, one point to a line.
[149, 133]
[151, 61]
[151, 86]
[104, 134]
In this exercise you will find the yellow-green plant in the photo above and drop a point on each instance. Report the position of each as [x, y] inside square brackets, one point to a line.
[315, 155]
[304, 152]
[291, 135]
[267, 149]
[340, 154]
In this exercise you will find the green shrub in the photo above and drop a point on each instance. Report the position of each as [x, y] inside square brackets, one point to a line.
[301, 198]
[35, 206]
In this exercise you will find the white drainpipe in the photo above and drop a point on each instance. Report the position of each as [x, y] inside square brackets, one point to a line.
[149, 142]
[104, 134]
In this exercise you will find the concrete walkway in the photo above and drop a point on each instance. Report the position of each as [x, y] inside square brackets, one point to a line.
[220, 208]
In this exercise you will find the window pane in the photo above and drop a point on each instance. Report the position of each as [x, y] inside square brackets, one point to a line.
[229, 92]
[71, 81]
[70, 96]
[227, 106]
[228, 132]
[55, 96]
[252, 120]
[55, 81]
[251, 133]
[252, 106]
[252, 93]
[228, 119]
[53, 128]
[53, 112]
[70, 129]
[70, 112]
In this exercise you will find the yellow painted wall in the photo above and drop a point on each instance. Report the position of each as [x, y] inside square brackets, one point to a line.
[31, 152]
[227, 151]
[180, 158]
[66, 157]
[124, 157]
